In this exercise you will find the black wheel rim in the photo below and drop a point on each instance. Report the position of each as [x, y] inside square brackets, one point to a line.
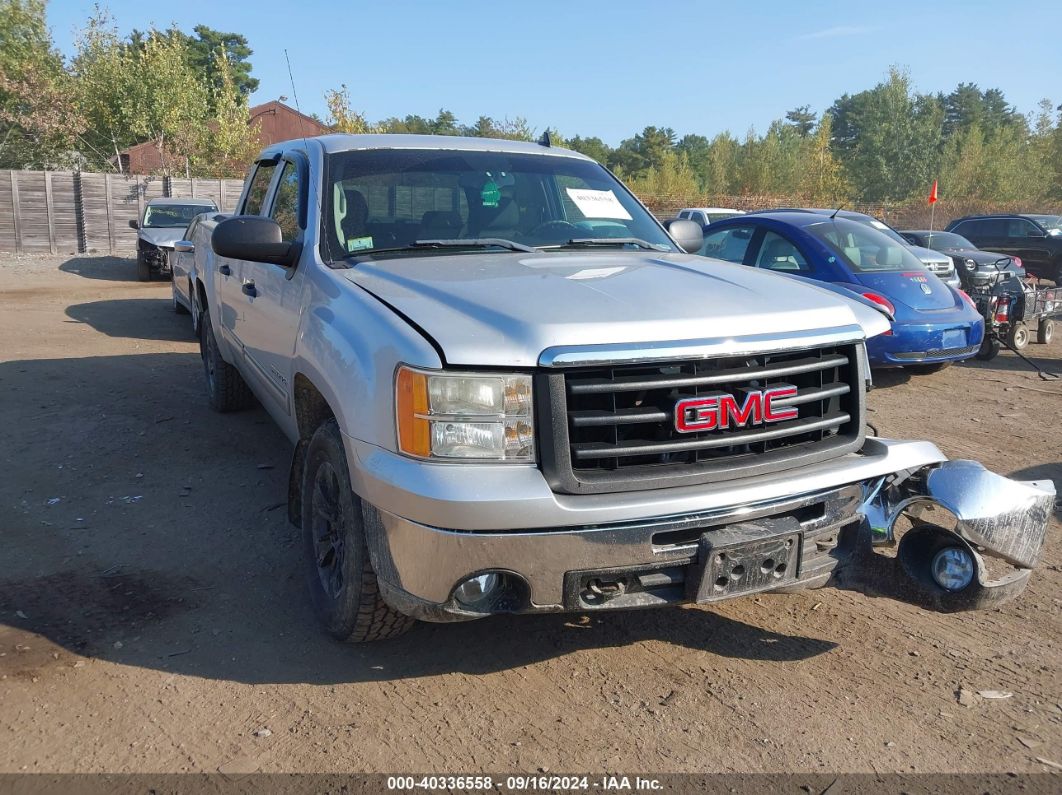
[326, 527]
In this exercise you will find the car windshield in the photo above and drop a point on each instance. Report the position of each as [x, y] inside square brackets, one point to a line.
[863, 248]
[172, 215]
[881, 226]
[1052, 223]
[945, 240]
[388, 201]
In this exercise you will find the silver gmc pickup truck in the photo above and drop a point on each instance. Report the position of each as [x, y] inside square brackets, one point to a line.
[510, 389]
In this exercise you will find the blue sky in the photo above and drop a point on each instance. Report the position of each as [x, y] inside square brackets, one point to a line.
[611, 68]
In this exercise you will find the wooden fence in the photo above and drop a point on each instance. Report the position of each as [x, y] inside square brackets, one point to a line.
[62, 212]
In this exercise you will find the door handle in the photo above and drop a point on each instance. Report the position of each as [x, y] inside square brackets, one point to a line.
[224, 270]
[248, 287]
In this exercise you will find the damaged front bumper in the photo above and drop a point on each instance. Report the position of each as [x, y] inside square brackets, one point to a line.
[1001, 523]
[877, 535]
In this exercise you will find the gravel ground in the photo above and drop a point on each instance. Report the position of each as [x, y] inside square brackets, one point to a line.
[152, 615]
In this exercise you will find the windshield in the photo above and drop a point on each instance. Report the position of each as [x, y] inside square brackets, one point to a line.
[945, 240]
[387, 200]
[863, 248]
[1051, 223]
[881, 226]
[172, 215]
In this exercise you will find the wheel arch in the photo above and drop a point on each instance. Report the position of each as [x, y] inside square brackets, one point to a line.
[311, 409]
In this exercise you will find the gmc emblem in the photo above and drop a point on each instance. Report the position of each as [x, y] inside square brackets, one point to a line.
[722, 410]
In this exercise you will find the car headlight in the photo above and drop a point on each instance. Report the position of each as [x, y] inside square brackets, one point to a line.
[970, 264]
[464, 416]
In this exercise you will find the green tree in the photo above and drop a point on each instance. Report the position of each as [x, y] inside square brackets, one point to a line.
[341, 116]
[232, 141]
[149, 92]
[202, 50]
[802, 119]
[591, 147]
[38, 123]
[670, 177]
[645, 150]
[822, 180]
[888, 138]
[719, 173]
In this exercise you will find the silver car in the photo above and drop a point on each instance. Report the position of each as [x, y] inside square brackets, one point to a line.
[164, 222]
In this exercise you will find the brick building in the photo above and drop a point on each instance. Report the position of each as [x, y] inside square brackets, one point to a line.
[275, 121]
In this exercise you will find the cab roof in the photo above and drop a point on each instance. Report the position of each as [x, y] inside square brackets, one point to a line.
[338, 142]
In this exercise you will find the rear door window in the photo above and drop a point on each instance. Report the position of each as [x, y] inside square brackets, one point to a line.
[286, 203]
[256, 192]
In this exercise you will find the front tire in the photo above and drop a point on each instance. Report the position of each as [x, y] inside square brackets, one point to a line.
[343, 586]
[226, 389]
[143, 269]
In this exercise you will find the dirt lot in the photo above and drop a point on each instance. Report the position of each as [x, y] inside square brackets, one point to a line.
[152, 614]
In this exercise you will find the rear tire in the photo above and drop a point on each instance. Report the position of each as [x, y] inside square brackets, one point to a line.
[226, 389]
[343, 586]
[1018, 338]
[143, 269]
[927, 369]
[1045, 332]
[989, 348]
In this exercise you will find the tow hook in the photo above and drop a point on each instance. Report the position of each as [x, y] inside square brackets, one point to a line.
[607, 590]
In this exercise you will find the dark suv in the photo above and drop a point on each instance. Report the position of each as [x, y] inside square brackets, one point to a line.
[1035, 239]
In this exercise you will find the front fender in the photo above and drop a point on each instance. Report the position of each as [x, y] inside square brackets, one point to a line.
[348, 347]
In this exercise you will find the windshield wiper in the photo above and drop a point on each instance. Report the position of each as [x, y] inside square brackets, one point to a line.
[473, 242]
[417, 245]
[611, 241]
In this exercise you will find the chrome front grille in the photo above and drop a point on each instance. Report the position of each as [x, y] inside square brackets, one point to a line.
[615, 427]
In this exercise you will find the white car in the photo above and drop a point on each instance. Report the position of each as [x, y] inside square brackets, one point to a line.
[707, 215]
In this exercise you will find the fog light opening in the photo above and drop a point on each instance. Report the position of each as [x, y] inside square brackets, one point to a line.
[476, 589]
[953, 568]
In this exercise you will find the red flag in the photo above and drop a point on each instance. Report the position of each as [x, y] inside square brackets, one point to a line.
[933, 193]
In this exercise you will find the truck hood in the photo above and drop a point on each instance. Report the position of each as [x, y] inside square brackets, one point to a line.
[162, 236]
[505, 309]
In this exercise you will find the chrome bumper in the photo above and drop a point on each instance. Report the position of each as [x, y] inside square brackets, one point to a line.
[435, 525]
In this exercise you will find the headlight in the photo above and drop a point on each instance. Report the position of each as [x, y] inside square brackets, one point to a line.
[970, 264]
[470, 416]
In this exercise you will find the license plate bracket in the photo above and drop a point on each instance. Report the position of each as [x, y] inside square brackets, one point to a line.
[747, 559]
[954, 338]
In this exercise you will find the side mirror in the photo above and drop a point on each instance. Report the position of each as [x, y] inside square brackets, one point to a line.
[134, 224]
[184, 247]
[688, 235]
[253, 238]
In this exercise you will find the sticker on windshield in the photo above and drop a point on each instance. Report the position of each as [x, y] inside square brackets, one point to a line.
[491, 194]
[598, 203]
[359, 244]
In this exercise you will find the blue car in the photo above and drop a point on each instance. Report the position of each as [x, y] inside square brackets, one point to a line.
[933, 324]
